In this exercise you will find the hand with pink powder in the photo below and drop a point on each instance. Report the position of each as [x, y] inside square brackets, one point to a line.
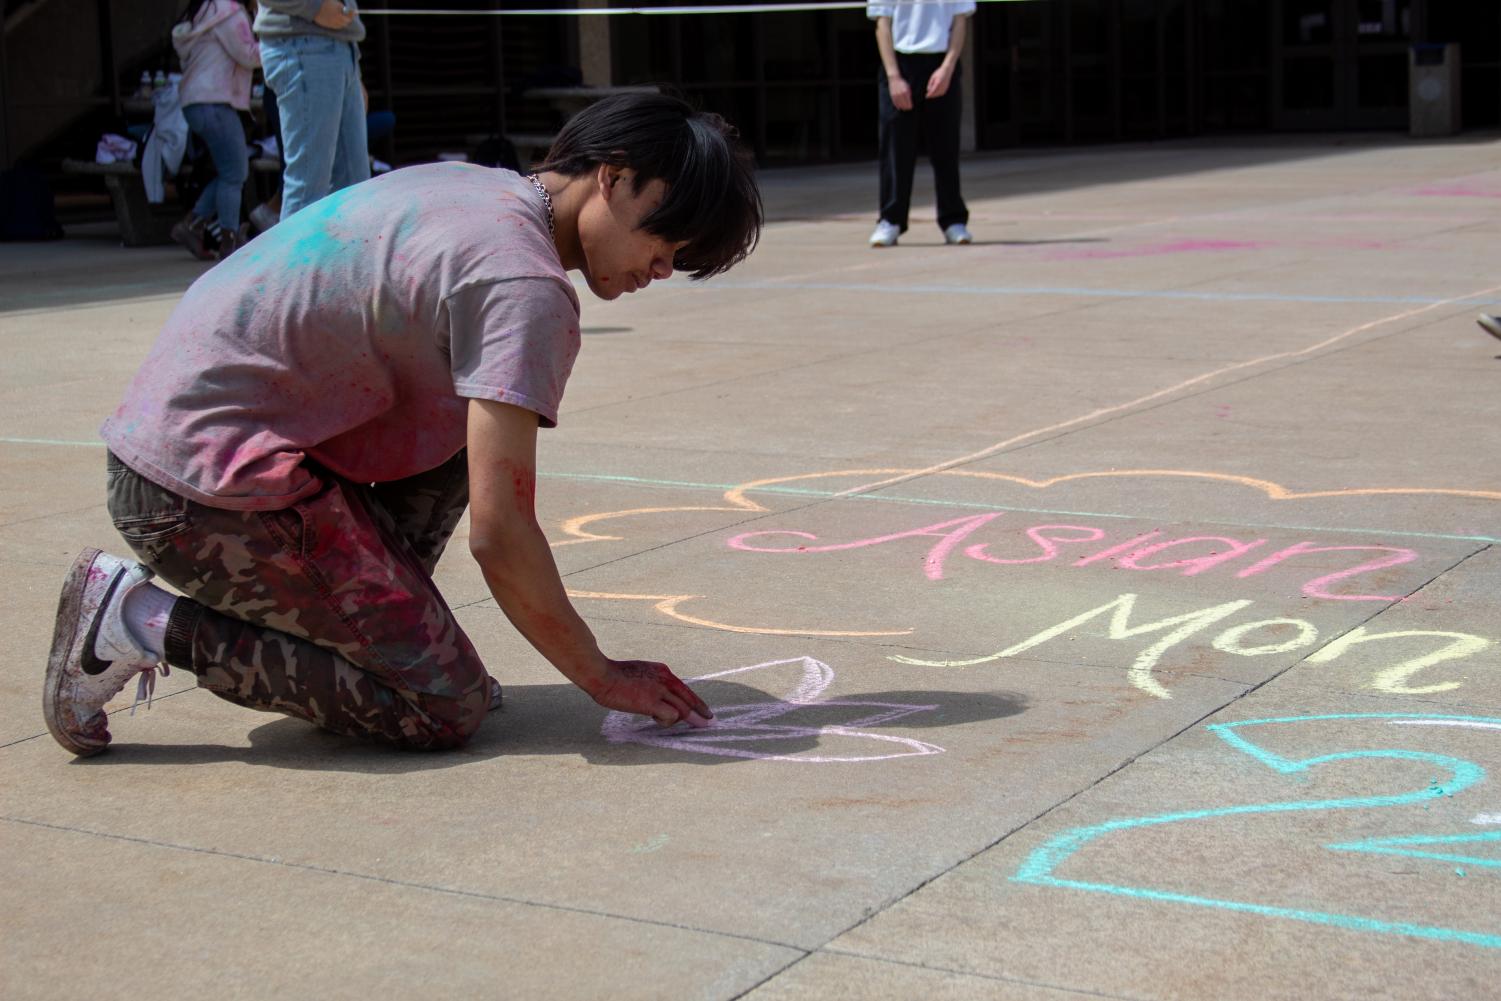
[650, 689]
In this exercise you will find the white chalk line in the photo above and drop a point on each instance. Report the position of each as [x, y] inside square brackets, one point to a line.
[747, 723]
[1167, 391]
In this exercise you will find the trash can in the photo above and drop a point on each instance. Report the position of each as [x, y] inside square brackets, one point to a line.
[1433, 94]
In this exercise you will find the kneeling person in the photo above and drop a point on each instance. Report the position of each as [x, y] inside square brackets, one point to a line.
[322, 406]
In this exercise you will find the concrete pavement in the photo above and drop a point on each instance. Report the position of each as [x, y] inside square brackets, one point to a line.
[1109, 608]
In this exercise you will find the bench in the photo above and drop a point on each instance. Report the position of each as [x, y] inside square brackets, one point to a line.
[143, 224]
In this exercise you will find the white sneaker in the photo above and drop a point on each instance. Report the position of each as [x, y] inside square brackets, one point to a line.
[92, 657]
[957, 233]
[1490, 324]
[885, 234]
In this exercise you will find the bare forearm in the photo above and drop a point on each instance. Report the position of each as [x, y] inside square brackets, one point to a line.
[956, 42]
[886, 47]
[522, 576]
[524, 580]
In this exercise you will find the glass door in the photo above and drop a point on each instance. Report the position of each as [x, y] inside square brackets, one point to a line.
[1017, 74]
[1306, 76]
[1342, 63]
[1383, 33]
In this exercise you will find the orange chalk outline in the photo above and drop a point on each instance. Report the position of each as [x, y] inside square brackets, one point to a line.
[1273, 491]
[738, 501]
[667, 605]
[736, 496]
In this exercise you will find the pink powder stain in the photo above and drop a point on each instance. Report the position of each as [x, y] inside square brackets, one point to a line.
[1456, 191]
[1161, 249]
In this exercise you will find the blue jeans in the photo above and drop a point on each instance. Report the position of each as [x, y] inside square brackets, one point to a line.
[316, 80]
[219, 127]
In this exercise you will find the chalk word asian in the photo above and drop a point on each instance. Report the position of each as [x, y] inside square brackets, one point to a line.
[1149, 551]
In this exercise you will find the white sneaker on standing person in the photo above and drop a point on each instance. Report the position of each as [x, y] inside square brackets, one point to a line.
[918, 96]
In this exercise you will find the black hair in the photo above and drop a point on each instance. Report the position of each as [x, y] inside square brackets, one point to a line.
[712, 200]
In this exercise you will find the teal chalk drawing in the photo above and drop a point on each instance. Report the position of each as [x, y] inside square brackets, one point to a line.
[1041, 866]
[1410, 846]
[650, 845]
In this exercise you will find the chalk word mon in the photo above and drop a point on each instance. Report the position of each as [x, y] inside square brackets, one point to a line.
[1258, 638]
[1185, 555]
[746, 730]
[1452, 777]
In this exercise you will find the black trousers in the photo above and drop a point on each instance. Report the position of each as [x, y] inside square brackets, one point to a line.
[936, 122]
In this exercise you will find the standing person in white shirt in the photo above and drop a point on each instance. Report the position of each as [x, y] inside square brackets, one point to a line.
[920, 44]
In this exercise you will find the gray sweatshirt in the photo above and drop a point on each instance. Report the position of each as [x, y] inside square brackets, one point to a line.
[286, 18]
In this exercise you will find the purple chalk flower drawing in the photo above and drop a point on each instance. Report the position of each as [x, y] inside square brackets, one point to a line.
[735, 727]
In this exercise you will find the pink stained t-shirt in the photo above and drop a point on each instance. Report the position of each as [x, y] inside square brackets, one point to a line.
[353, 334]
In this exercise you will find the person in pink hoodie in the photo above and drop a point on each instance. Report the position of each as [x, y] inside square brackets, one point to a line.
[218, 52]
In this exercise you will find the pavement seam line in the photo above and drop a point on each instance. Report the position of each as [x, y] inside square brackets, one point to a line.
[401, 883]
[1086, 992]
[1250, 690]
[1063, 431]
[1103, 669]
[1167, 391]
[814, 362]
[112, 712]
[1076, 308]
[51, 514]
[1248, 377]
[668, 486]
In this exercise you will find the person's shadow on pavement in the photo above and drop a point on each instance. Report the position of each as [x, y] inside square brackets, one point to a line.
[750, 724]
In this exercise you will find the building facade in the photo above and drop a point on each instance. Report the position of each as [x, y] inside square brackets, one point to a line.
[800, 85]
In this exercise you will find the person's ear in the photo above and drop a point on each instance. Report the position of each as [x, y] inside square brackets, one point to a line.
[612, 179]
[609, 178]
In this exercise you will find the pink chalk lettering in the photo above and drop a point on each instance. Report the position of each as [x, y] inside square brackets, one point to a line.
[1319, 586]
[951, 533]
[1195, 564]
[1457, 191]
[1147, 551]
[1046, 542]
[1105, 554]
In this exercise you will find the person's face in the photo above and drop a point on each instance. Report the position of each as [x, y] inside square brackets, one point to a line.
[620, 256]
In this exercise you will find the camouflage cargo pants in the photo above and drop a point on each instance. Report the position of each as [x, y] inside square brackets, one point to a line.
[325, 610]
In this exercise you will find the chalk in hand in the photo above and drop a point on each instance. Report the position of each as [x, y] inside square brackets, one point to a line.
[695, 720]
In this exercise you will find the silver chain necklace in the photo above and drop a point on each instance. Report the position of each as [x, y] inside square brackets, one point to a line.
[546, 200]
